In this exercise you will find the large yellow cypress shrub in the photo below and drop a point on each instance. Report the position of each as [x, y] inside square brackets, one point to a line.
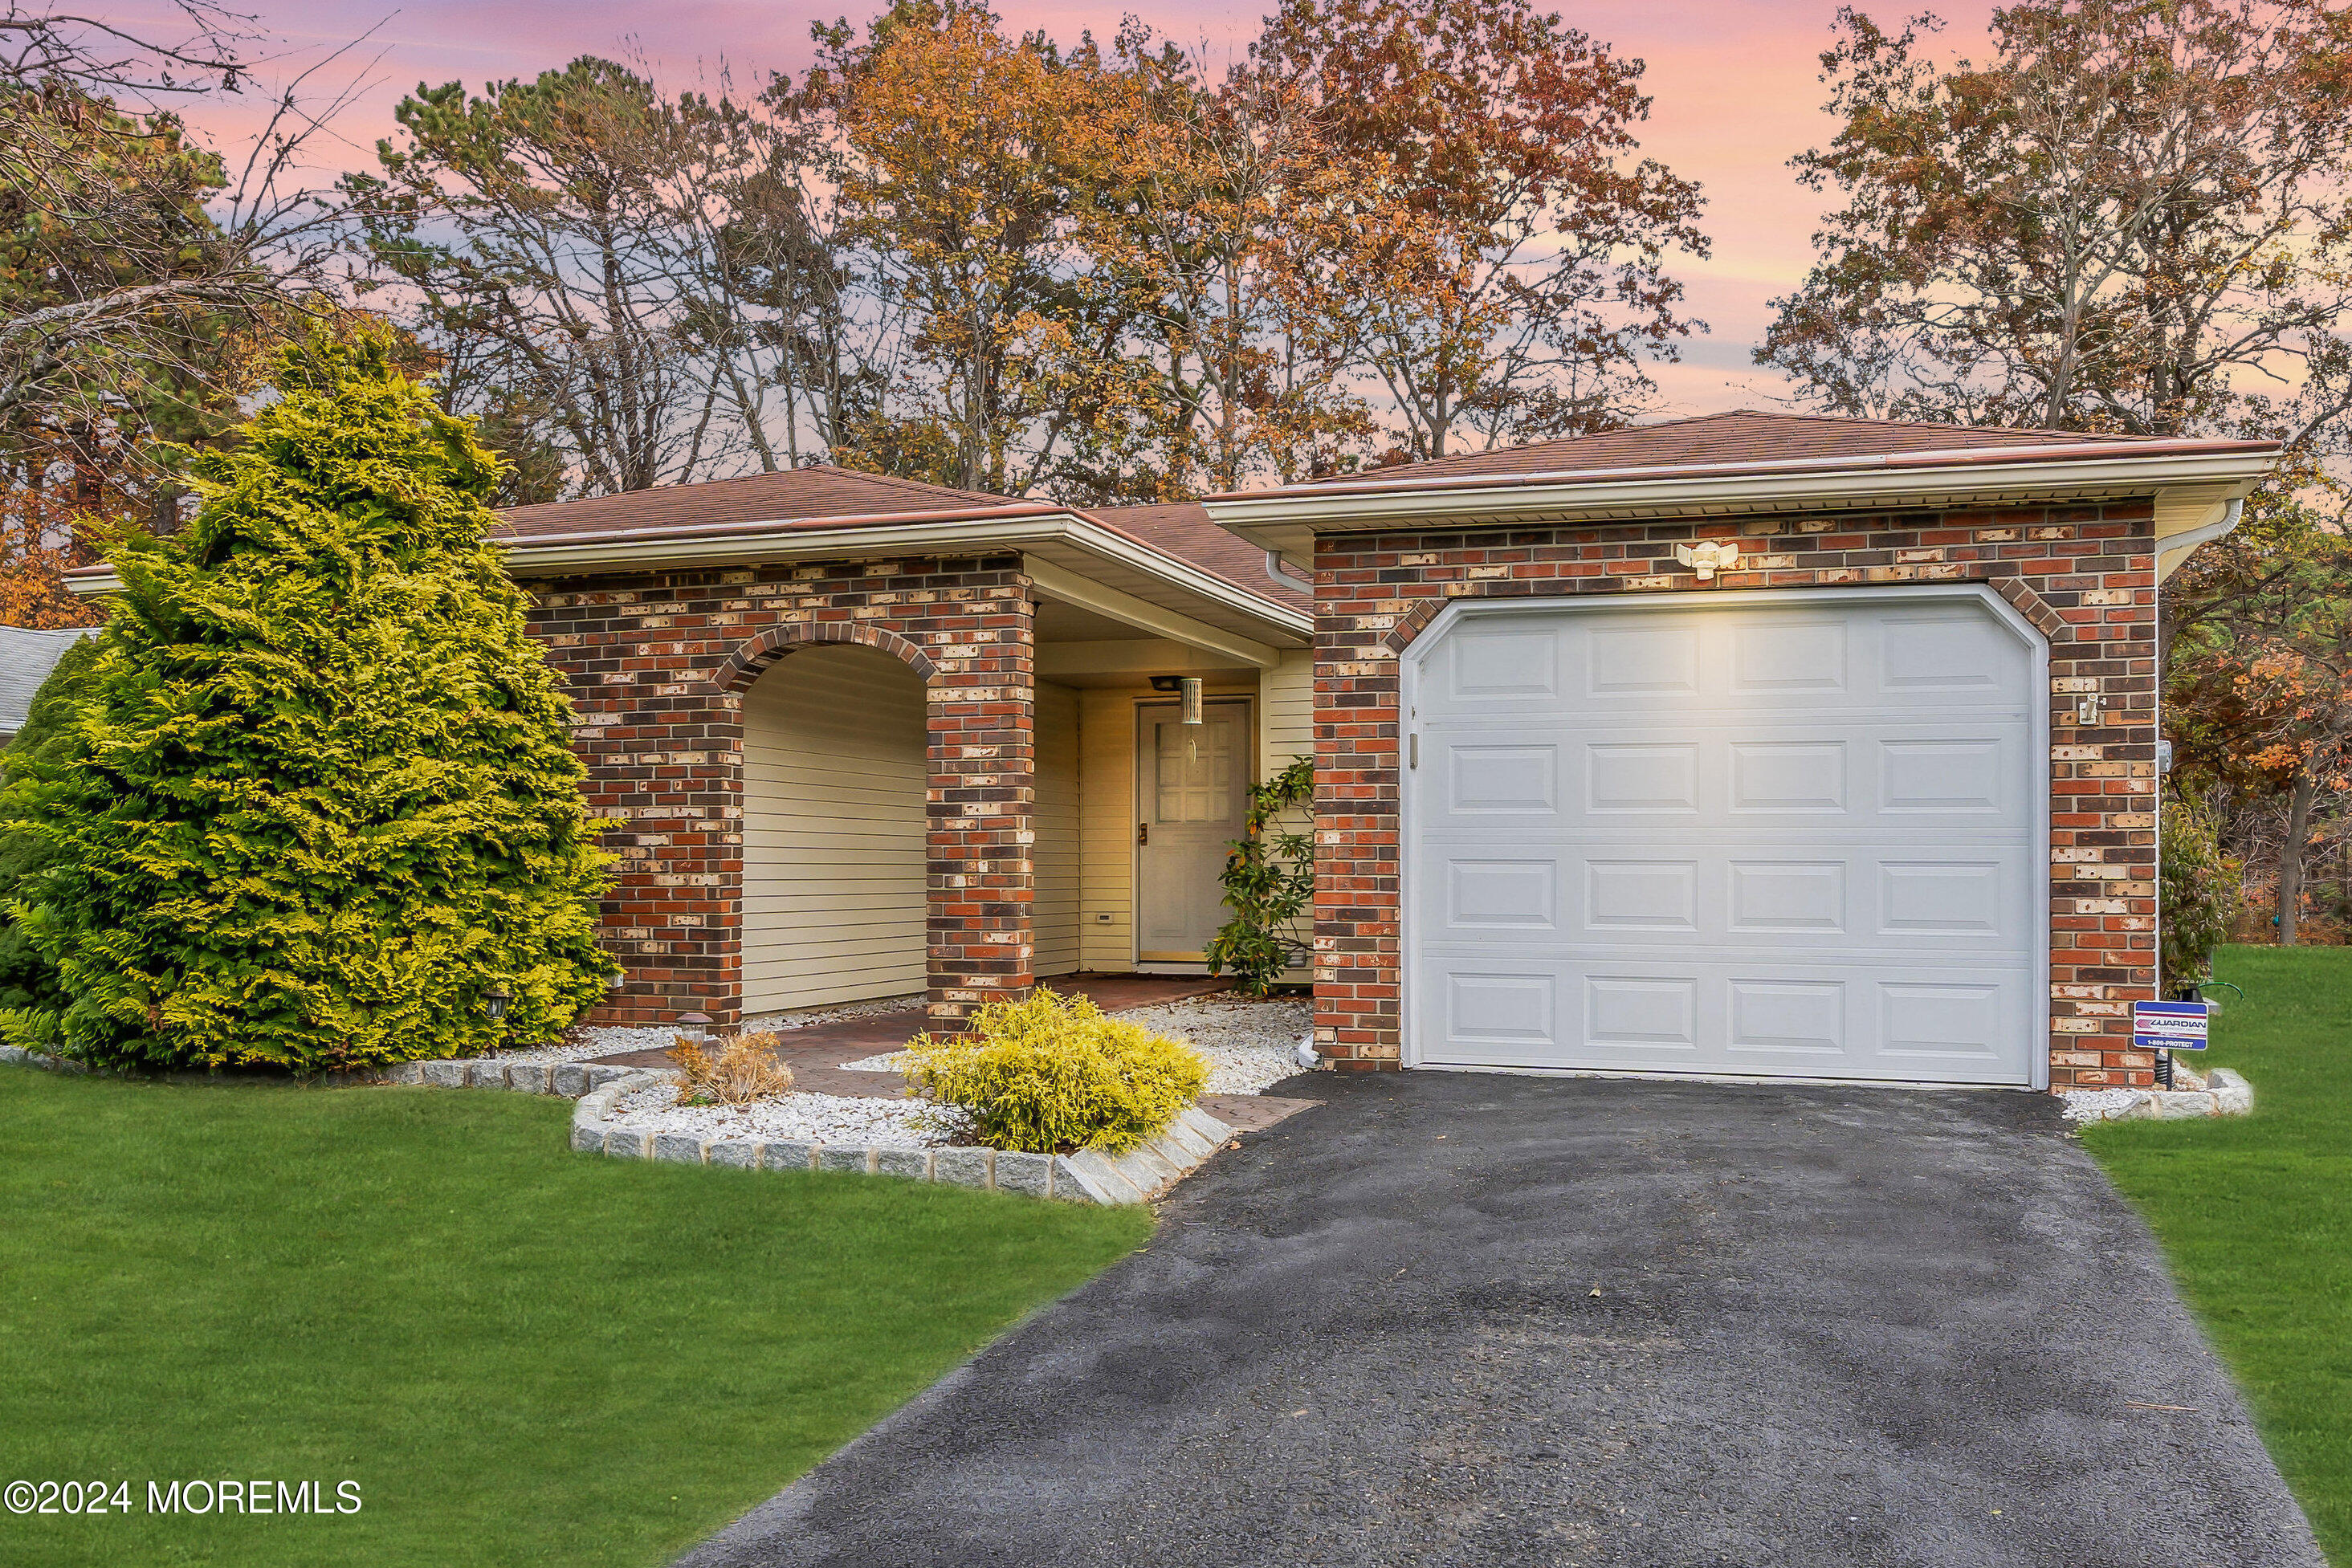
[1055, 1073]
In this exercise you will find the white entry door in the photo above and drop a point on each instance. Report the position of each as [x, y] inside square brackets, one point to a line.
[1192, 798]
[1739, 834]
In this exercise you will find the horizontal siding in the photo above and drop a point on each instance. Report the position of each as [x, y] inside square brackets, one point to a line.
[1106, 828]
[1285, 727]
[1055, 916]
[834, 780]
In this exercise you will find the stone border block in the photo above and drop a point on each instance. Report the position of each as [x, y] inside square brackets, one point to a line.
[845, 1157]
[743, 1154]
[788, 1154]
[965, 1168]
[681, 1148]
[2226, 1093]
[909, 1164]
[1030, 1174]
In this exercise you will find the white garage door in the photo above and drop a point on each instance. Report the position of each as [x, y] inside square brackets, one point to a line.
[1734, 834]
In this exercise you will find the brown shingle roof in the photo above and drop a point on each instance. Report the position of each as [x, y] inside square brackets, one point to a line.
[1744, 436]
[1185, 530]
[816, 498]
[795, 495]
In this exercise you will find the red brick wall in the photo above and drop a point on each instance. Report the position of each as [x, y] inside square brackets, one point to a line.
[2084, 575]
[656, 665]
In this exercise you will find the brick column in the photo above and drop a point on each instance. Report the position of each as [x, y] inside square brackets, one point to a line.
[1358, 980]
[982, 799]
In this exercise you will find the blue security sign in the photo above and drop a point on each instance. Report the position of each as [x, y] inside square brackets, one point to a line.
[2169, 1026]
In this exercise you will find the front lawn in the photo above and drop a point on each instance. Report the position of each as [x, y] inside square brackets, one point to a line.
[520, 1355]
[2255, 1213]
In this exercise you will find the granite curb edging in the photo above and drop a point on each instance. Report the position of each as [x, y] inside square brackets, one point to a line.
[1086, 1176]
[2226, 1093]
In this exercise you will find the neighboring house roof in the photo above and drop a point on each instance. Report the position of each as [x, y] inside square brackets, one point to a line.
[26, 657]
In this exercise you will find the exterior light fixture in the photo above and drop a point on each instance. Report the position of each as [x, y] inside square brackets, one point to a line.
[495, 1003]
[1188, 697]
[1709, 556]
[695, 1027]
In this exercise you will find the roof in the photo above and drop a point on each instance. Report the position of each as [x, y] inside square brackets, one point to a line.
[1743, 435]
[813, 498]
[815, 495]
[1185, 529]
[26, 657]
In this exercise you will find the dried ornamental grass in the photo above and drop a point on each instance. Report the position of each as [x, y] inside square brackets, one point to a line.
[746, 1068]
[1054, 1073]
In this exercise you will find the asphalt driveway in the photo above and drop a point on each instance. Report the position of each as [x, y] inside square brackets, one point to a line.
[1454, 1318]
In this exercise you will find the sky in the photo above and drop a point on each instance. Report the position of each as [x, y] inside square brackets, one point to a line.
[1735, 84]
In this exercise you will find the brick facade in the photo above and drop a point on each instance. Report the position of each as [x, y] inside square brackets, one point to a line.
[2085, 575]
[656, 665]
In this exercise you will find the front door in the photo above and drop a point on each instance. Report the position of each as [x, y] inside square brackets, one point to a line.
[1192, 797]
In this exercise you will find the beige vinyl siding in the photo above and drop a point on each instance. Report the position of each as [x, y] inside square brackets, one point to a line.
[1286, 729]
[833, 782]
[1106, 829]
[1054, 917]
[1285, 712]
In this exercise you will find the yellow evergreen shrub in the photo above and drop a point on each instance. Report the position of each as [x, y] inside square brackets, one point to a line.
[1054, 1073]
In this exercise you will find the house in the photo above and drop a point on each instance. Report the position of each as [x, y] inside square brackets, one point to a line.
[1756, 744]
[873, 738]
[27, 656]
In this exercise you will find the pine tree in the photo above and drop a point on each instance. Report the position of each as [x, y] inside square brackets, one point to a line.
[322, 810]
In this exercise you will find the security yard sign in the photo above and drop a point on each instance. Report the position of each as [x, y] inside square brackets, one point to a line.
[2169, 1026]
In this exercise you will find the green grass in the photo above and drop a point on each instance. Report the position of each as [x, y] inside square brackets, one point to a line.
[2255, 1213]
[521, 1354]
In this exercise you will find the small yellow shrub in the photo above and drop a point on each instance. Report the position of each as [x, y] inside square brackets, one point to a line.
[1054, 1073]
[745, 1070]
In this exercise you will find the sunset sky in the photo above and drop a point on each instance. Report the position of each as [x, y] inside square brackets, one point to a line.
[1735, 84]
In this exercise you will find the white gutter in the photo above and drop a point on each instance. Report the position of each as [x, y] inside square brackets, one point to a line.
[1802, 483]
[2174, 548]
[1279, 569]
[961, 533]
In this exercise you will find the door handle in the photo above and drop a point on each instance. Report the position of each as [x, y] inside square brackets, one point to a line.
[1142, 832]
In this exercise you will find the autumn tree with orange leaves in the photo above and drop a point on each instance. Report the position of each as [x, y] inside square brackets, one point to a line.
[1493, 258]
[2259, 702]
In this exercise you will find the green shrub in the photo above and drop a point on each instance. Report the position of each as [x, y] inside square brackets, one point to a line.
[2199, 891]
[1269, 882]
[27, 980]
[322, 808]
[1054, 1073]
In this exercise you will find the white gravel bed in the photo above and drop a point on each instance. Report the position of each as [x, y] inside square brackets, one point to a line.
[611, 1039]
[823, 1118]
[1248, 1044]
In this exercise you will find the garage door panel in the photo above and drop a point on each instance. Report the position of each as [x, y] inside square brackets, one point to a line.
[1873, 776]
[1692, 894]
[1730, 841]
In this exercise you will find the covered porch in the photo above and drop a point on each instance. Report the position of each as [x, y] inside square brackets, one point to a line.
[848, 754]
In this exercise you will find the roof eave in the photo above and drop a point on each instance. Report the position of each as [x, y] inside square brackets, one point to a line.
[1068, 539]
[1280, 519]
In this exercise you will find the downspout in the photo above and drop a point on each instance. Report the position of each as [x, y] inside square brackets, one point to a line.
[1279, 569]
